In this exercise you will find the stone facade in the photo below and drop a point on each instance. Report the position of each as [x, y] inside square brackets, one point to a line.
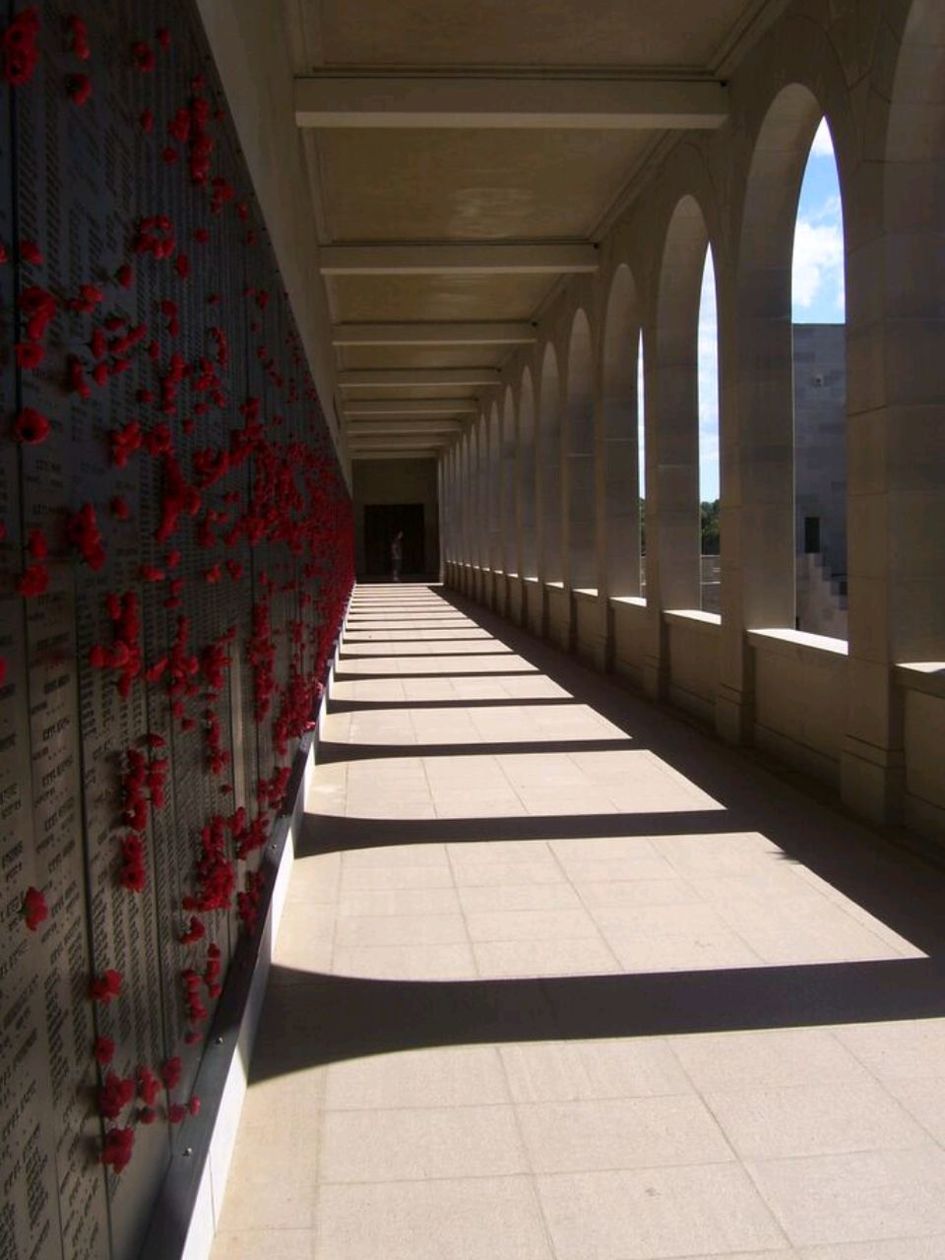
[867, 68]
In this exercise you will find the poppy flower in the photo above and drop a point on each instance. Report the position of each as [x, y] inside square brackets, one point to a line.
[33, 581]
[79, 87]
[115, 1095]
[117, 1148]
[105, 987]
[35, 909]
[31, 427]
[37, 545]
[39, 307]
[78, 37]
[104, 1050]
[31, 253]
[171, 1070]
[142, 56]
[124, 275]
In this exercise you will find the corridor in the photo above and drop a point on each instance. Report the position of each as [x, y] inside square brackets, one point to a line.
[560, 977]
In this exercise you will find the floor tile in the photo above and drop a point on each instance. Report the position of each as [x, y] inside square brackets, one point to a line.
[452, 1076]
[479, 1219]
[778, 1121]
[566, 1071]
[416, 1143]
[656, 1212]
[857, 1197]
[620, 1133]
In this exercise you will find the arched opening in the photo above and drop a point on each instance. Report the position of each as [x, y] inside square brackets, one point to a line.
[765, 414]
[621, 436]
[526, 465]
[674, 544]
[549, 452]
[494, 490]
[641, 455]
[818, 301]
[710, 584]
[481, 496]
[509, 524]
[581, 487]
[907, 420]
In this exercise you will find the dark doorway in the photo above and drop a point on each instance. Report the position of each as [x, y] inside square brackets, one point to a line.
[811, 534]
[381, 522]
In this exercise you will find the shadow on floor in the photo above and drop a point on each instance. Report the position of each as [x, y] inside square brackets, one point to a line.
[323, 1018]
[327, 1018]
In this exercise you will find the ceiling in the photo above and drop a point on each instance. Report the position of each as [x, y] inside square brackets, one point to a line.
[464, 158]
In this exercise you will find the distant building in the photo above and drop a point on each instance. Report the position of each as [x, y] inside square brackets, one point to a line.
[820, 477]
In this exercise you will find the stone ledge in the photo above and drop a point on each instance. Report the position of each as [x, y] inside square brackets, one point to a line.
[926, 676]
[707, 622]
[627, 601]
[799, 644]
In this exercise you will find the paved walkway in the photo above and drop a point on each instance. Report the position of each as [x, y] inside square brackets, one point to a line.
[561, 977]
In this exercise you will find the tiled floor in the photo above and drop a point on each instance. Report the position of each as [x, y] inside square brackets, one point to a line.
[561, 977]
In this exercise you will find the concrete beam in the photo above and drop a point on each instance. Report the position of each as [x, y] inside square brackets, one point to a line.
[405, 444]
[513, 258]
[412, 407]
[478, 334]
[406, 453]
[408, 378]
[380, 428]
[502, 101]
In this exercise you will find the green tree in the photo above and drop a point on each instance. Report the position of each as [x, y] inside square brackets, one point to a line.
[709, 517]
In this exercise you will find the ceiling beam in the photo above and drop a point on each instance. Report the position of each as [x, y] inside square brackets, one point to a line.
[409, 378]
[411, 407]
[588, 102]
[400, 444]
[512, 258]
[380, 428]
[479, 334]
[406, 453]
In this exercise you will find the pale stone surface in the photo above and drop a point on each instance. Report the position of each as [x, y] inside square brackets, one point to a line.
[606, 1033]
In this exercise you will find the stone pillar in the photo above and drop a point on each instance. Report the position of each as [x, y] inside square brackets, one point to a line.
[896, 424]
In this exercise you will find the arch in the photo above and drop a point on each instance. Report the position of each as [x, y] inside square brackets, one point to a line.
[481, 496]
[508, 523]
[908, 340]
[494, 488]
[579, 438]
[620, 417]
[765, 421]
[673, 550]
[549, 460]
[527, 476]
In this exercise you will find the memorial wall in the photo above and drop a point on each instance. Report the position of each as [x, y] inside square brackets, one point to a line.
[175, 558]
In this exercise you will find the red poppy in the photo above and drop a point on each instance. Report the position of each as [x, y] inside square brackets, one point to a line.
[78, 37]
[117, 1148]
[115, 1095]
[33, 581]
[31, 427]
[142, 55]
[79, 87]
[104, 1050]
[31, 253]
[35, 909]
[105, 987]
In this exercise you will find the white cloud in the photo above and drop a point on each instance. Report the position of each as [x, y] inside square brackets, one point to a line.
[818, 264]
[823, 141]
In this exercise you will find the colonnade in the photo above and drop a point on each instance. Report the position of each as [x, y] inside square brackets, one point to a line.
[541, 492]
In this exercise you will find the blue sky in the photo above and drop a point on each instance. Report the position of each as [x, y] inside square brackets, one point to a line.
[817, 291]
